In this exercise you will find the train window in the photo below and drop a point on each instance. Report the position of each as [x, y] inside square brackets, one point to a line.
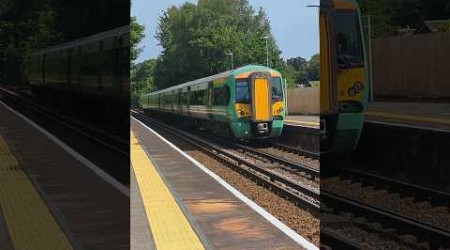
[221, 96]
[199, 97]
[277, 89]
[242, 91]
[349, 41]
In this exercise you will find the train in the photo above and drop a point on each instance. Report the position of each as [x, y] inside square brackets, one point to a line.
[345, 85]
[96, 66]
[87, 79]
[247, 103]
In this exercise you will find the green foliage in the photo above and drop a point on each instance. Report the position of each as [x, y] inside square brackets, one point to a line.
[197, 40]
[300, 71]
[142, 76]
[443, 27]
[313, 68]
[141, 80]
[390, 15]
[81, 18]
[24, 26]
[136, 35]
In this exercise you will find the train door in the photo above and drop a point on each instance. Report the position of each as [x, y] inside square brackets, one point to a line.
[99, 66]
[69, 67]
[180, 103]
[159, 101]
[261, 96]
[43, 68]
[328, 60]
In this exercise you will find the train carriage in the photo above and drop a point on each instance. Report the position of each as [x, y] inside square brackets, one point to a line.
[245, 103]
[345, 84]
[87, 79]
[96, 66]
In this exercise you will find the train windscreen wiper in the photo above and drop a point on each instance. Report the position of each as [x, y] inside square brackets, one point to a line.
[344, 62]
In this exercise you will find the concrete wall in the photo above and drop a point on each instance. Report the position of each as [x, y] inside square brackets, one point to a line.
[414, 66]
[303, 100]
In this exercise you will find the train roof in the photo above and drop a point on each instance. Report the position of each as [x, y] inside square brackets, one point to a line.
[346, 4]
[234, 72]
[85, 40]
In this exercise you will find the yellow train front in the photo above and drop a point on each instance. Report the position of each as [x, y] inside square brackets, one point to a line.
[244, 103]
[344, 78]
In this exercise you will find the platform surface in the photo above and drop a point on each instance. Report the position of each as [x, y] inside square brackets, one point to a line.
[219, 219]
[431, 116]
[311, 121]
[51, 200]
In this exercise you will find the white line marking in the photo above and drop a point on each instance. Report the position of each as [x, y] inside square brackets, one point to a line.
[277, 223]
[98, 171]
[393, 124]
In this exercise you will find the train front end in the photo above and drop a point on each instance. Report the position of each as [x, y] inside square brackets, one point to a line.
[259, 103]
[345, 88]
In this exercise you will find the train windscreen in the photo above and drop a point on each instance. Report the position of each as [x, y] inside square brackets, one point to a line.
[242, 91]
[349, 44]
[277, 89]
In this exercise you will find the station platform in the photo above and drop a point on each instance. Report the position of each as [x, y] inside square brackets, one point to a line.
[310, 121]
[427, 116]
[53, 198]
[186, 206]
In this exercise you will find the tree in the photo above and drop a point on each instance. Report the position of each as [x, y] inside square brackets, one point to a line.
[389, 16]
[142, 76]
[313, 68]
[136, 36]
[197, 40]
[82, 18]
[300, 65]
[24, 26]
[298, 70]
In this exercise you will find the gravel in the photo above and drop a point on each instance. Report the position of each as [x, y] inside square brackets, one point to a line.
[438, 216]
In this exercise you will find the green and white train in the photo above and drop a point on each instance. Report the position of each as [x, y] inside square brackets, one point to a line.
[244, 103]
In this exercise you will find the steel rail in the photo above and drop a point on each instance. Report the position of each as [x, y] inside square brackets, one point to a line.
[299, 151]
[315, 173]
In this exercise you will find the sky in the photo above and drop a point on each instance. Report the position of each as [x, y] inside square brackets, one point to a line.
[294, 25]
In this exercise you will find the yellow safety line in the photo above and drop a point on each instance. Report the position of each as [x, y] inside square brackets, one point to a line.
[170, 228]
[29, 222]
[407, 117]
[303, 122]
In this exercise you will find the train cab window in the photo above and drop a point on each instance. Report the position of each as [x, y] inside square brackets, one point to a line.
[277, 89]
[242, 91]
[221, 96]
[349, 42]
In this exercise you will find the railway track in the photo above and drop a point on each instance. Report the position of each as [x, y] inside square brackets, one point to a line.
[405, 189]
[394, 221]
[298, 151]
[252, 151]
[301, 195]
[87, 140]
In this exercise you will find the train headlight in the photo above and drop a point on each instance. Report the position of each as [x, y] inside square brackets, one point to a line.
[281, 109]
[241, 112]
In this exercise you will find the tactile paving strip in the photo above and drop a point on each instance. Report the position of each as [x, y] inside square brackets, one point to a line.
[29, 221]
[170, 228]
